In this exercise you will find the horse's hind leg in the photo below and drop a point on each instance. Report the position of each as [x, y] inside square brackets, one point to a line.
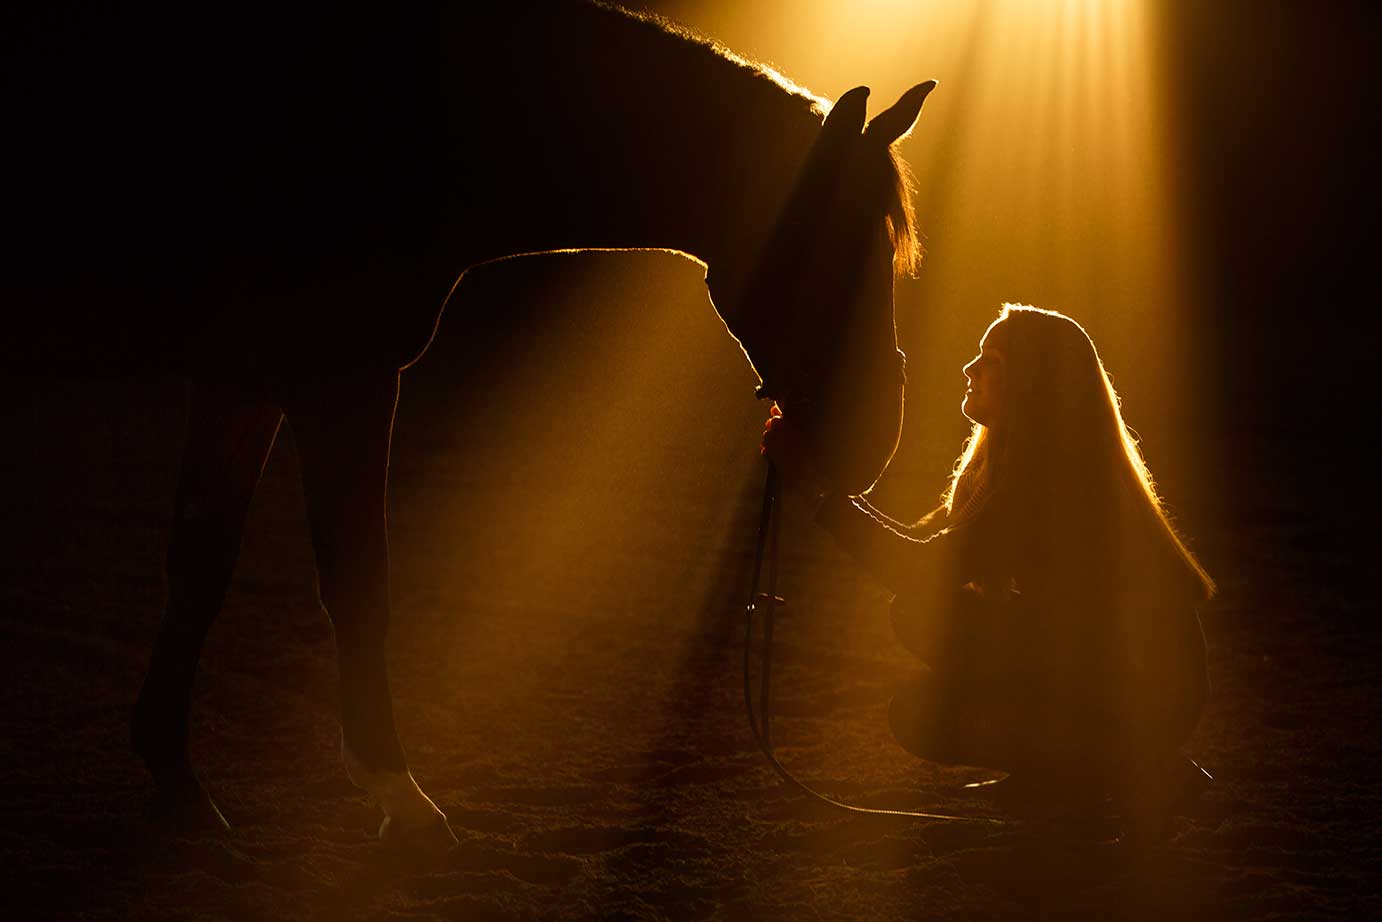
[342, 429]
[229, 434]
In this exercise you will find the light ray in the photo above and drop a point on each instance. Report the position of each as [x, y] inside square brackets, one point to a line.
[1044, 175]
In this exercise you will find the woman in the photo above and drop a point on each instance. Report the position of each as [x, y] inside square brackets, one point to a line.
[1049, 596]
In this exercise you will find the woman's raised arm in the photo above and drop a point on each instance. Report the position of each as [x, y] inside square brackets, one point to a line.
[904, 559]
[899, 559]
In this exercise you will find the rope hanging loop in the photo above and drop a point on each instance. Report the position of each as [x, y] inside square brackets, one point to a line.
[766, 604]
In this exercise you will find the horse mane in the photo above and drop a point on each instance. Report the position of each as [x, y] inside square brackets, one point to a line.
[756, 70]
[759, 79]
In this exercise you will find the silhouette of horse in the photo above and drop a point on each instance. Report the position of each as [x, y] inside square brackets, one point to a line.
[284, 204]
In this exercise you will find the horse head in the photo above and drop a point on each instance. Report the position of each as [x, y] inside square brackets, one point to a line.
[815, 314]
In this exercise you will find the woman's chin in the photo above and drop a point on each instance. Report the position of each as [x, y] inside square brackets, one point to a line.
[975, 413]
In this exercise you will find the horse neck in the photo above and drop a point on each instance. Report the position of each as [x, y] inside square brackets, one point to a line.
[714, 190]
[664, 144]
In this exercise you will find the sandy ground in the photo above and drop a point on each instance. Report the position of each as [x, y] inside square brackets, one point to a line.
[566, 651]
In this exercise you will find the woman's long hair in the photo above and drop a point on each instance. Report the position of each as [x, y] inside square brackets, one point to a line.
[1063, 471]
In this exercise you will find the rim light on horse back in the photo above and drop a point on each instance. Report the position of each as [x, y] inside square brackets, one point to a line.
[281, 206]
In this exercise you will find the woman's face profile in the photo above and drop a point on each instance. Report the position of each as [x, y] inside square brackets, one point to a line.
[986, 375]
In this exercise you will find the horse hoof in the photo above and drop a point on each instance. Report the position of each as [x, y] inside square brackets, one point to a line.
[434, 835]
[183, 807]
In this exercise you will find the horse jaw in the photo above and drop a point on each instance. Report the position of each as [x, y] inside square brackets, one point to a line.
[854, 429]
[410, 816]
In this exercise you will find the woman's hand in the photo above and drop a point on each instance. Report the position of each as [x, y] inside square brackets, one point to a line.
[786, 448]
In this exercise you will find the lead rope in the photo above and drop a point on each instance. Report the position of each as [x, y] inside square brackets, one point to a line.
[769, 523]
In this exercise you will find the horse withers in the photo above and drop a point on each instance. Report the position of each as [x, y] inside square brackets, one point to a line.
[282, 213]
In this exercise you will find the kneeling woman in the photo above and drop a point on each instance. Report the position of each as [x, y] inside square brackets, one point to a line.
[1050, 598]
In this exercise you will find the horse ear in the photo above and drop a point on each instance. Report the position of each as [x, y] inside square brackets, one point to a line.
[847, 115]
[897, 121]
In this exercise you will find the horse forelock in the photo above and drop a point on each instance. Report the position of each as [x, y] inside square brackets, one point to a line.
[869, 185]
[900, 215]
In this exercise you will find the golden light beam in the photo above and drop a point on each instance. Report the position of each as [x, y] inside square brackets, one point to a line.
[1044, 174]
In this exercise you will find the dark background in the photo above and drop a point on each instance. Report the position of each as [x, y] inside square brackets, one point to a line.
[1279, 102]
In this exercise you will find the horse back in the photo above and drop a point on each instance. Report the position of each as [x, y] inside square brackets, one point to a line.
[292, 183]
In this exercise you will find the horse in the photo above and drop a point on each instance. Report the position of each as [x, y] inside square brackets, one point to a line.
[281, 204]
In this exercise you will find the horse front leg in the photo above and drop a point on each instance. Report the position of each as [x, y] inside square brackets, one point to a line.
[343, 429]
[230, 432]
